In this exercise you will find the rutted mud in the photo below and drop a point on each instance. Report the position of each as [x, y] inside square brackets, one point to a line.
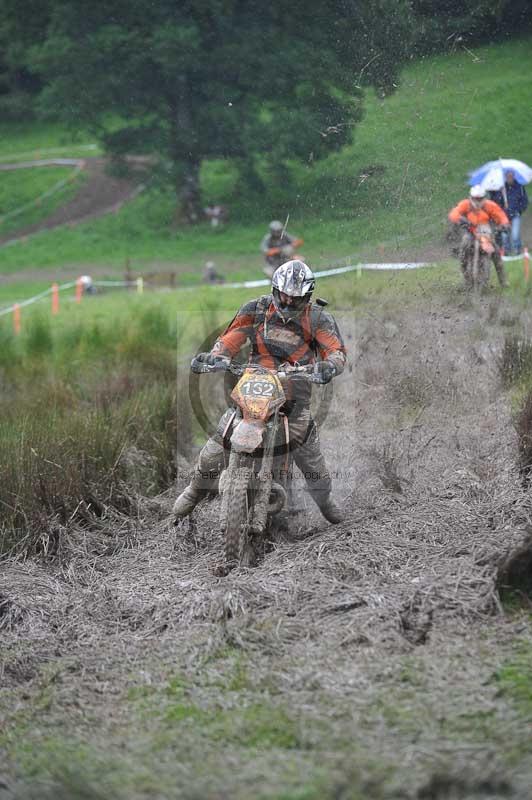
[423, 451]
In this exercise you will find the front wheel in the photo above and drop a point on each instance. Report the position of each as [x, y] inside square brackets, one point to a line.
[235, 509]
[483, 271]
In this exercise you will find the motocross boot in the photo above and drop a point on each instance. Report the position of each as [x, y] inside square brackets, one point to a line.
[189, 498]
[330, 510]
[204, 480]
[501, 272]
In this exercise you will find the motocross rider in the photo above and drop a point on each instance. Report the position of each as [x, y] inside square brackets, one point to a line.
[277, 239]
[478, 210]
[282, 327]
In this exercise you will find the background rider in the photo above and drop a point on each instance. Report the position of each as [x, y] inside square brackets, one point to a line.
[478, 210]
[281, 241]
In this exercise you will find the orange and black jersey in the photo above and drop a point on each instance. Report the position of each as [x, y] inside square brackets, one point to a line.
[313, 335]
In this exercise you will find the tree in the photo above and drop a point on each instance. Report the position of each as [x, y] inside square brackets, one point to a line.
[18, 84]
[442, 24]
[194, 79]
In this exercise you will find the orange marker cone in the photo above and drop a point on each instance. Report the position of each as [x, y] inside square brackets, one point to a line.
[79, 290]
[55, 298]
[16, 319]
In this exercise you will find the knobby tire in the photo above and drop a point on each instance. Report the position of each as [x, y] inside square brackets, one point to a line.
[237, 510]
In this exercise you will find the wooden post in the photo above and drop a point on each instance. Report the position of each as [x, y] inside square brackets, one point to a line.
[16, 319]
[55, 298]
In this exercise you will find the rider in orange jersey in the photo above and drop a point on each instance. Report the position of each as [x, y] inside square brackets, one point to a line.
[284, 327]
[469, 214]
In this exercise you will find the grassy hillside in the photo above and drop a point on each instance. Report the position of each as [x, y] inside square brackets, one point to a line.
[30, 195]
[390, 189]
[26, 141]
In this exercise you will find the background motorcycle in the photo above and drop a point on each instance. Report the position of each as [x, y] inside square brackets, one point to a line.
[478, 258]
[276, 256]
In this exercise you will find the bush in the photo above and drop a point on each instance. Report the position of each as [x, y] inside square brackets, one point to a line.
[58, 467]
[523, 427]
[7, 346]
[38, 339]
[515, 361]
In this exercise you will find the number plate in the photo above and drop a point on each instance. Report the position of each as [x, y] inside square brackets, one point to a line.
[258, 394]
[258, 388]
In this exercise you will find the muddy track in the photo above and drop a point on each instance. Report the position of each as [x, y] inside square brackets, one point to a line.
[381, 637]
[99, 194]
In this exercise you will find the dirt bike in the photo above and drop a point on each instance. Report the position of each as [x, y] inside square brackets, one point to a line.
[287, 250]
[256, 482]
[479, 256]
[276, 256]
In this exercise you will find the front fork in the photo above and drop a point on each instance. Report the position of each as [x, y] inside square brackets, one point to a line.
[476, 257]
[264, 481]
[260, 486]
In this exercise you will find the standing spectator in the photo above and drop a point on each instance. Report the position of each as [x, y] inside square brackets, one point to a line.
[211, 274]
[514, 200]
[217, 215]
[88, 286]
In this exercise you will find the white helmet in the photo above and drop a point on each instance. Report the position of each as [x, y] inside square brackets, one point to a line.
[295, 279]
[276, 226]
[477, 192]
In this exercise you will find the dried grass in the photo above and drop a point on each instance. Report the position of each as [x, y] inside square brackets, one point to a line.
[429, 550]
[406, 568]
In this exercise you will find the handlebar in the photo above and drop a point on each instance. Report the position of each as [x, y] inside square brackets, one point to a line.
[224, 364]
[289, 246]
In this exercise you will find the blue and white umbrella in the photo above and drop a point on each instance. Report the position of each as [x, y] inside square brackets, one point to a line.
[491, 176]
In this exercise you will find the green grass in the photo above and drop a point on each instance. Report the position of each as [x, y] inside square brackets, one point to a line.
[408, 164]
[195, 307]
[22, 141]
[198, 309]
[514, 678]
[197, 730]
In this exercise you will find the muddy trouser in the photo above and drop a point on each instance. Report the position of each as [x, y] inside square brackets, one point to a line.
[499, 267]
[304, 445]
[466, 245]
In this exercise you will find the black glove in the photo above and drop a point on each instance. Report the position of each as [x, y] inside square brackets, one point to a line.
[202, 362]
[499, 231]
[207, 358]
[463, 223]
[324, 371]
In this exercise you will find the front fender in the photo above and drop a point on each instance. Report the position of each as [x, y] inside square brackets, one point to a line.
[248, 435]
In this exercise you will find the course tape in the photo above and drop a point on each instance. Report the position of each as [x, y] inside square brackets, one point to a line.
[46, 151]
[240, 285]
[43, 162]
[514, 258]
[327, 273]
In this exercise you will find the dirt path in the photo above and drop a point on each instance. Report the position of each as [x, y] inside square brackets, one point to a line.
[99, 194]
[371, 659]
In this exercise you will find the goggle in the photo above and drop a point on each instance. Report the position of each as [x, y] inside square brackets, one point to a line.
[290, 305]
